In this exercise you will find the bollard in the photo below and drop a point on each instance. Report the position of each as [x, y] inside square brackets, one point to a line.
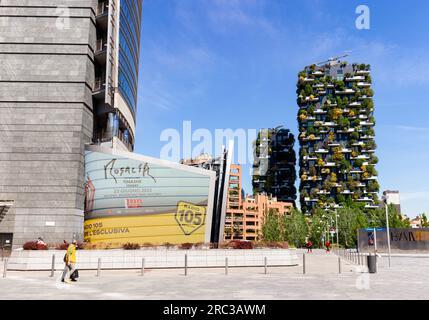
[143, 267]
[99, 267]
[53, 266]
[265, 265]
[5, 267]
[186, 264]
[226, 266]
[303, 263]
[339, 264]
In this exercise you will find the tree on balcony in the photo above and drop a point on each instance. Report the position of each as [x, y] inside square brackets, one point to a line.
[304, 193]
[345, 165]
[352, 113]
[312, 171]
[339, 85]
[344, 123]
[373, 160]
[371, 171]
[354, 135]
[338, 155]
[308, 90]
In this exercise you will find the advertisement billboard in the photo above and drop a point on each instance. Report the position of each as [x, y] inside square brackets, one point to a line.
[131, 198]
[401, 239]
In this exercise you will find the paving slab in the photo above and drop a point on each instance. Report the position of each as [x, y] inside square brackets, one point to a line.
[406, 279]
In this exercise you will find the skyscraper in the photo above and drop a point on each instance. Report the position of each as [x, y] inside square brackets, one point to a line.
[336, 126]
[116, 72]
[274, 165]
[69, 72]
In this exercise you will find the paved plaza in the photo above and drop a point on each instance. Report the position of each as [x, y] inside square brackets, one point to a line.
[406, 279]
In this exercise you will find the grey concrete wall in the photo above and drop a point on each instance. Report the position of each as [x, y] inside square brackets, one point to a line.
[46, 80]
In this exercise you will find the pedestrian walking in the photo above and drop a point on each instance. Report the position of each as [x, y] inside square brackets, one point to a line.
[70, 260]
[309, 246]
[65, 259]
[328, 246]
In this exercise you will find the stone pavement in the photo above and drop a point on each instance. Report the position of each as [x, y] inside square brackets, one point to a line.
[407, 279]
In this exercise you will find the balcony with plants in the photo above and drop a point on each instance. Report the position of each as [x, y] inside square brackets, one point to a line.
[338, 130]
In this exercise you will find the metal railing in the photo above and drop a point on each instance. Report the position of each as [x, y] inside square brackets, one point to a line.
[100, 46]
[99, 84]
[102, 8]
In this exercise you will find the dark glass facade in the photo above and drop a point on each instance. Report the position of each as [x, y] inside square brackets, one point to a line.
[275, 161]
[129, 50]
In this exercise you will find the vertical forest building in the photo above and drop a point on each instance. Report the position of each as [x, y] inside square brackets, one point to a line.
[274, 164]
[336, 135]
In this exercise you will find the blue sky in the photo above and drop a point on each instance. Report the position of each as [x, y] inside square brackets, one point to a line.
[233, 64]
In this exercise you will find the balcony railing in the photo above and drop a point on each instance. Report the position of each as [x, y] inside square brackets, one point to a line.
[101, 45]
[102, 8]
[99, 84]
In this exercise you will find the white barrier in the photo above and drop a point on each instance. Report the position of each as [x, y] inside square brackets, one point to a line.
[154, 258]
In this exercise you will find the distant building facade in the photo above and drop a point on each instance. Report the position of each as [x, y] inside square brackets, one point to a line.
[274, 164]
[245, 214]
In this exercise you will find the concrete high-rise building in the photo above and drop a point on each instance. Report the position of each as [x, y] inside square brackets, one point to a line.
[336, 125]
[274, 166]
[69, 71]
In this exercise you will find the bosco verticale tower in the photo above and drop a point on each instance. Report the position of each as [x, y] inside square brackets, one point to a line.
[336, 135]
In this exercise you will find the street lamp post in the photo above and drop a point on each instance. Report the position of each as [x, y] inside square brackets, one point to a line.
[336, 228]
[387, 228]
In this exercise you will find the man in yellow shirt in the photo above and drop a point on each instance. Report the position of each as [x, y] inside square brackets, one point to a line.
[71, 260]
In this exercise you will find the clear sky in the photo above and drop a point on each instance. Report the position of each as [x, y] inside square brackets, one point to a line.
[234, 63]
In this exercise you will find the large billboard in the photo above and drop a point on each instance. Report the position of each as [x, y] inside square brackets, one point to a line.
[401, 239]
[138, 199]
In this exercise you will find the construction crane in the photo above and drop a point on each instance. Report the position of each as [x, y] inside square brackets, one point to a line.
[334, 59]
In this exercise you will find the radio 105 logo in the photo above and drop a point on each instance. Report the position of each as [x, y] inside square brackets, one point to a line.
[190, 217]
